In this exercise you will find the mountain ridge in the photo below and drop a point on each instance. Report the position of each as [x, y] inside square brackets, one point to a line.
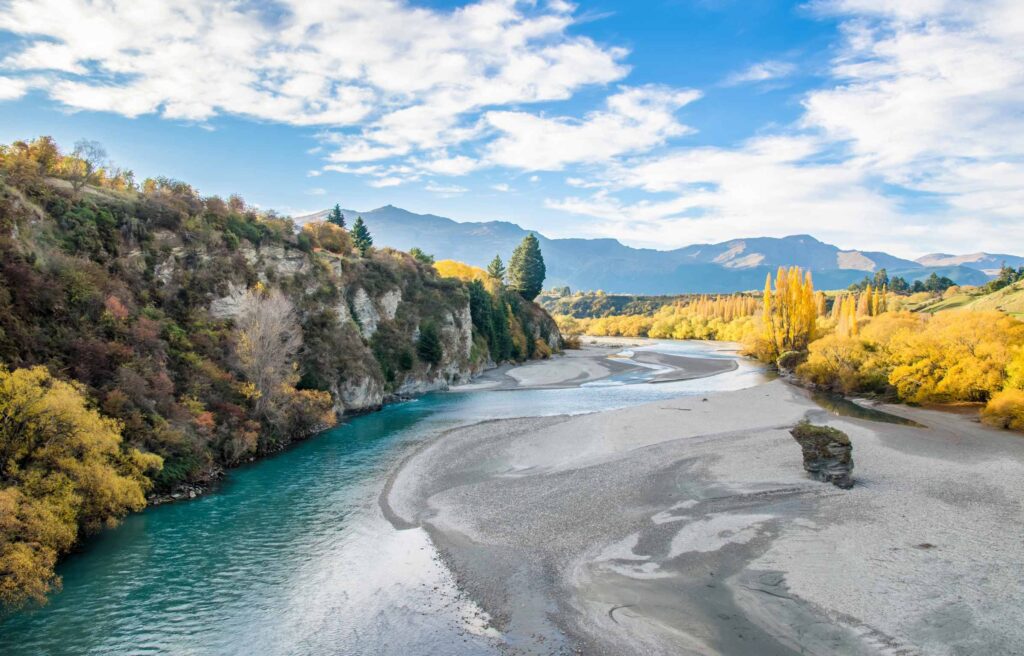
[606, 263]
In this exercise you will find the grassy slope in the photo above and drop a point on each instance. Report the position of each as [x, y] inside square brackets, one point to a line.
[1009, 300]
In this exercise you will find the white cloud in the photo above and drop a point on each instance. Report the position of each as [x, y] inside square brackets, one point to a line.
[403, 79]
[386, 182]
[316, 191]
[767, 187]
[445, 190]
[12, 88]
[458, 165]
[635, 119]
[925, 109]
[315, 173]
[761, 72]
[502, 187]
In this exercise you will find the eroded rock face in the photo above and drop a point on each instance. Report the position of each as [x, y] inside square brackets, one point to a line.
[365, 312]
[357, 395]
[230, 305]
[828, 453]
[389, 303]
[287, 261]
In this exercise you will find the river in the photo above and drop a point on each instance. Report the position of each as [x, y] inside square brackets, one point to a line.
[292, 555]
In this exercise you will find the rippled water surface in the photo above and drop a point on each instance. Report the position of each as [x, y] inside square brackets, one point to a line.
[291, 554]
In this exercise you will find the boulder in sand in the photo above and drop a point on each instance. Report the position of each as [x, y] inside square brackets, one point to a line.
[828, 454]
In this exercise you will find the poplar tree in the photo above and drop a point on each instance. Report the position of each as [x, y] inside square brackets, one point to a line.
[789, 312]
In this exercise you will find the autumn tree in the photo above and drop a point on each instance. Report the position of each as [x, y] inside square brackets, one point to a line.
[789, 313]
[328, 236]
[267, 343]
[361, 236]
[526, 270]
[63, 472]
[955, 356]
[268, 338]
[84, 164]
[460, 270]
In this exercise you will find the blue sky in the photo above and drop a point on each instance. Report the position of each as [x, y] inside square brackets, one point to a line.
[869, 124]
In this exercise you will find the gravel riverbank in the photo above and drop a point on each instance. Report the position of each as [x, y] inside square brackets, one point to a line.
[689, 527]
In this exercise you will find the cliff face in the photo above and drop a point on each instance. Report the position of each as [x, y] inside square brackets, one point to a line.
[138, 296]
[378, 301]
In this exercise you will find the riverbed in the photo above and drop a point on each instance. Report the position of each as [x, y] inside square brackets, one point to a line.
[293, 554]
[636, 497]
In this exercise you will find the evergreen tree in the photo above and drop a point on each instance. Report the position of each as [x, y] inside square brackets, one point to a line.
[336, 217]
[428, 347]
[496, 269]
[424, 258]
[881, 279]
[361, 236]
[526, 270]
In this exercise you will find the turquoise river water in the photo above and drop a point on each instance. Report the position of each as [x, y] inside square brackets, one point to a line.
[291, 555]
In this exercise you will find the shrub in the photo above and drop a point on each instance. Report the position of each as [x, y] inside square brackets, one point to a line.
[835, 362]
[1005, 410]
[328, 237]
[789, 360]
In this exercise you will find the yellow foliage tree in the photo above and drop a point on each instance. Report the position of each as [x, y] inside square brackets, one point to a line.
[789, 313]
[329, 237]
[63, 470]
[956, 356]
[460, 270]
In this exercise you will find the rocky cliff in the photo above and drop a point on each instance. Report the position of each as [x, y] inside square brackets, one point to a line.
[137, 296]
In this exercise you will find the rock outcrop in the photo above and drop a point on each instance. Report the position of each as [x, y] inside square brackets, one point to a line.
[378, 304]
[828, 453]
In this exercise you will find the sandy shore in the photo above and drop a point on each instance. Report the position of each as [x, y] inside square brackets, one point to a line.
[689, 527]
[594, 362]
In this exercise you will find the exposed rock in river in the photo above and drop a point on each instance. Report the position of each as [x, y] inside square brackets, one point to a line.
[828, 453]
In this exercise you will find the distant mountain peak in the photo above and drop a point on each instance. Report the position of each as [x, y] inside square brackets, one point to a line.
[605, 263]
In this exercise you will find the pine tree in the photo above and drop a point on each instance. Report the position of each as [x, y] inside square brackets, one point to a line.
[428, 347]
[336, 217]
[526, 270]
[421, 257]
[496, 269]
[361, 236]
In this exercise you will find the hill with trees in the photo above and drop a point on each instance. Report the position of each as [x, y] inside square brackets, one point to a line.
[151, 337]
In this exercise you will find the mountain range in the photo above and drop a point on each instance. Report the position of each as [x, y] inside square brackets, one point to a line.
[591, 264]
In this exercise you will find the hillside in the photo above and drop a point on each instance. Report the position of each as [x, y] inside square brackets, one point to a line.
[592, 264]
[1009, 300]
[137, 295]
[174, 336]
